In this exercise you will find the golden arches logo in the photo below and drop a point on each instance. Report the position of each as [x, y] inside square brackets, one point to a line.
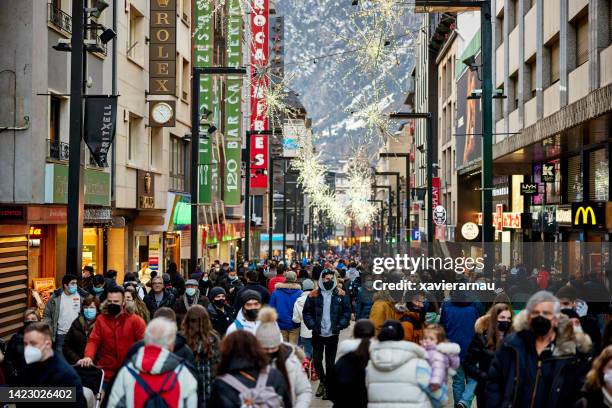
[586, 212]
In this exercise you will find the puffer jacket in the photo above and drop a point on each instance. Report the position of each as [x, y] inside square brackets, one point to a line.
[340, 309]
[283, 299]
[397, 375]
[52, 309]
[164, 372]
[76, 339]
[519, 378]
[349, 377]
[444, 360]
[301, 391]
[382, 309]
[298, 308]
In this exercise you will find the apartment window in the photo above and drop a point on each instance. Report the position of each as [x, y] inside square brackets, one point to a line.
[515, 11]
[448, 124]
[177, 164]
[186, 80]
[499, 31]
[132, 136]
[155, 147]
[186, 15]
[135, 35]
[54, 118]
[514, 98]
[533, 77]
[554, 61]
[582, 40]
[527, 5]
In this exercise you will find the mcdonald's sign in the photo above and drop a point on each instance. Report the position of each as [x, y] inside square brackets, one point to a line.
[589, 215]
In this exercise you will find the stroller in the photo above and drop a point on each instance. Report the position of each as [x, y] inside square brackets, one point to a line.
[92, 379]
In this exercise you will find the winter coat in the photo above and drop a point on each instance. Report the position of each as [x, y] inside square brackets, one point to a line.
[298, 308]
[241, 323]
[283, 299]
[349, 377]
[177, 282]
[14, 365]
[594, 399]
[181, 349]
[232, 287]
[54, 372]
[412, 320]
[163, 372]
[76, 339]
[478, 359]
[184, 302]
[111, 339]
[382, 309]
[224, 395]
[397, 375]
[52, 309]
[364, 302]
[458, 320]
[221, 319]
[168, 300]
[340, 309]
[274, 281]
[443, 358]
[301, 390]
[265, 295]
[519, 378]
[205, 367]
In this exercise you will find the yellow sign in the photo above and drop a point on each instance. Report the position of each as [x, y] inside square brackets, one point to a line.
[585, 216]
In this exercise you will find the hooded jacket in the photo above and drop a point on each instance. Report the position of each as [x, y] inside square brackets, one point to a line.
[163, 371]
[301, 390]
[339, 311]
[283, 299]
[52, 310]
[397, 375]
[382, 309]
[444, 360]
[298, 308]
[111, 339]
[519, 378]
[221, 320]
[458, 319]
[241, 323]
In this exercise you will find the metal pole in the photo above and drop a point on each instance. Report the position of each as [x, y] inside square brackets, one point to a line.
[487, 134]
[429, 209]
[247, 197]
[195, 165]
[271, 208]
[397, 213]
[295, 219]
[284, 210]
[75, 168]
[408, 230]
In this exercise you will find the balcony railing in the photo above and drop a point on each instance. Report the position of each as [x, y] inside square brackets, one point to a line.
[57, 150]
[59, 18]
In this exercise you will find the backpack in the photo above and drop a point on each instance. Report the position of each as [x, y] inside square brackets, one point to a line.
[155, 399]
[261, 396]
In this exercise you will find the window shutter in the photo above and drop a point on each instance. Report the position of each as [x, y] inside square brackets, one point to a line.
[574, 179]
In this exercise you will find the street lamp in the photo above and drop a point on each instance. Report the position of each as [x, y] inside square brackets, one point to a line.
[397, 205]
[406, 157]
[390, 202]
[382, 225]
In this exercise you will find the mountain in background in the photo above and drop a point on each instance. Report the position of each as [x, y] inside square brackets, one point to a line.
[330, 86]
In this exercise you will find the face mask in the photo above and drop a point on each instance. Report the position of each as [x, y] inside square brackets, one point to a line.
[431, 317]
[190, 291]
[608, 378]
[72, 289]
[540, 325]
[328, 285]
[89, 313]
[32, 354]
[219, 303]
[233, 278]
[98, 290]
[251, 314]
[503, 326]
[205, 279]
[113, 309]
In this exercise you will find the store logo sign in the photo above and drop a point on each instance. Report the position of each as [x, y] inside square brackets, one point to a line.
[529, 188]
[589, 215]
[586, 214]
[548, 173]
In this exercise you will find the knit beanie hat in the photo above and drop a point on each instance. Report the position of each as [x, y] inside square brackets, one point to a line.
[191, 282]
[290, 277]
[268, 333]
[307, 284]
[216, 291]
[249, 294]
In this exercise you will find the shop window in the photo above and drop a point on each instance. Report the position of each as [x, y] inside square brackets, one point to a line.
[574, 179]
[598, 175]
[581, 28]
[553, 190]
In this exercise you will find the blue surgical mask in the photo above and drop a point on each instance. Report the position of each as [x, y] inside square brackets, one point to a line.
[72, 289]
[204, 279]
[98, 290]
[89, 313]
[190, 291]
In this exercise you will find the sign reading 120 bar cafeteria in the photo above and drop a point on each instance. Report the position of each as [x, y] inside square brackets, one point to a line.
[162, 48]
[259, 86]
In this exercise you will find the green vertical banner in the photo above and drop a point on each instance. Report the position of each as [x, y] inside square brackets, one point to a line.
[233, 104]
[203, 57]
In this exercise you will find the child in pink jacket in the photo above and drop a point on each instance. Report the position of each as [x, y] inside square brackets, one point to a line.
[443, 357]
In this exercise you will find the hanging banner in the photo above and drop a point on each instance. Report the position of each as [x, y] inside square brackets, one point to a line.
[233, 103]
[259, 84]
[100, 119]
[162, 47]
[435, 192]
[203, 57]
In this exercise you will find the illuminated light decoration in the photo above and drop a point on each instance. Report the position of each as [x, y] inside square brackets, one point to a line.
[359, 174]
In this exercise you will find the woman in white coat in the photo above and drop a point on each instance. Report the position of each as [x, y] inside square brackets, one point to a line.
[398, 374]
[285, 357]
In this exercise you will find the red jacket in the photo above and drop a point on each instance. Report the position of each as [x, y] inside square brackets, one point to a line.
[111, 339]
[274, 281]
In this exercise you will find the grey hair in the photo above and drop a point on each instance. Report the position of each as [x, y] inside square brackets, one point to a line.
[541, 297]
[161, 332]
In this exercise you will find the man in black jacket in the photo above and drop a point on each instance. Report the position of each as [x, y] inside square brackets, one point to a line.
[221, 314]
[252, 278]
[158, 296]
[326, 311]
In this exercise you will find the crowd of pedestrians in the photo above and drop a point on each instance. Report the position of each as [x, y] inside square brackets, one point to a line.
[262, 335]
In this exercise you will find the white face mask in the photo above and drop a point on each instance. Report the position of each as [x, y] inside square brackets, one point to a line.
[32, 354]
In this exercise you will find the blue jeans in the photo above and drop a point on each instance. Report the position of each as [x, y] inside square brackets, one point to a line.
[463, 387]
[306, 344]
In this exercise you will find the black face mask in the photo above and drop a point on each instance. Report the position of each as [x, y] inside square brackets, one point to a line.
[503, 326]
[328, 285]
[540, 325]
[251, 314]
[113, 309]
[219, 303]
[273, 356]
